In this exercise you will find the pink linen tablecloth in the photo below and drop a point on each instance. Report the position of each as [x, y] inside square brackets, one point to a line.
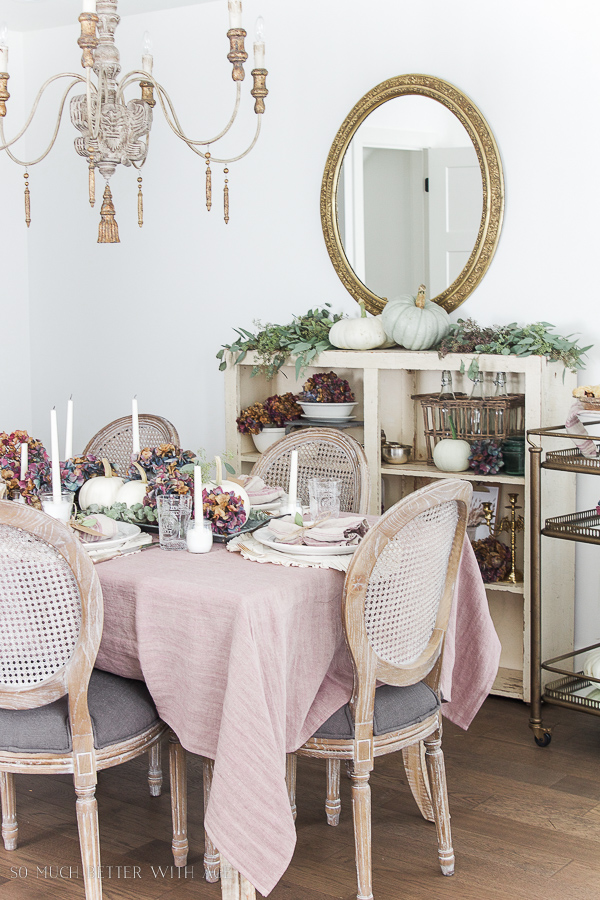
[244, 662]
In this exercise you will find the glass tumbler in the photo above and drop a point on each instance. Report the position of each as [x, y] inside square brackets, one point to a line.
[324, 495]
[61, 509]
[174, 512]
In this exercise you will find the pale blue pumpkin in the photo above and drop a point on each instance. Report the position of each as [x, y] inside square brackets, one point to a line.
[414, 322]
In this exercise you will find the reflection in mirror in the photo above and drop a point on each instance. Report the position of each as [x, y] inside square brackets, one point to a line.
[410, 198]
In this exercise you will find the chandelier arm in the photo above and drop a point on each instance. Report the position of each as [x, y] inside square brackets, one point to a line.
[6, 144]
[177, 127]
[233, 159]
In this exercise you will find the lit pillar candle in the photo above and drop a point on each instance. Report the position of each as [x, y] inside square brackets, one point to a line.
[135, 426]
[259, 44]
[147, 60]
[54, 456]
[69, 430]
[235, 13]
[3, 49]
[24, 460]
[198, 502]
[293, 488]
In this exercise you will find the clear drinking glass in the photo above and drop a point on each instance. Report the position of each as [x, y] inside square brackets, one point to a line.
[174, 511]
[61, 509]
[324, 495]
[477, 421]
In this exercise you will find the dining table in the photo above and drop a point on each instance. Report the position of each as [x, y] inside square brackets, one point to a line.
[244, 662]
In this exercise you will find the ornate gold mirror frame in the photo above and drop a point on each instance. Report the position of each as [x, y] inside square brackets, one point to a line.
[491, 176]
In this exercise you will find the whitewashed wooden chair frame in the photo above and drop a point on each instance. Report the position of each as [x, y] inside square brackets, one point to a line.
[115, 440]
[72, 679]
[322, 453]
[369, 668]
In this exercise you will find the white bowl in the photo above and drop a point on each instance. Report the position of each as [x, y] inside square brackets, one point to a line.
[327, 410]
[266, 437]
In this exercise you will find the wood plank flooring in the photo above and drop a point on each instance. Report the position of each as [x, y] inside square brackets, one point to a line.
[525, 822]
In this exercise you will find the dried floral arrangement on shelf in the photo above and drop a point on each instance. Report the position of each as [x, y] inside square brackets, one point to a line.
[486, 457]
[303, 338]
[466, 336]
[275, 411]
[493, 558]
[326, 387]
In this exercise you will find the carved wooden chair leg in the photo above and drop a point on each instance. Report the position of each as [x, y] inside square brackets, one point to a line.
[178, 781]
[234, 885]
[416, 774]
[10, 829]
[89, 840]
[212, 858]
[361, 811]
[291, 763]
[155, 775]
[333, 804]
[437, 777]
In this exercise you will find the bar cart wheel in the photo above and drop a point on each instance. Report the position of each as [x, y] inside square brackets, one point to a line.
[544, 740]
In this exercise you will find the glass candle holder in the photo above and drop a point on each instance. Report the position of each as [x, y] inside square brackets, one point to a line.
[199, 538]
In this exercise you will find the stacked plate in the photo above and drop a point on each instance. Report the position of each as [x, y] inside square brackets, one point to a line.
[340, 411]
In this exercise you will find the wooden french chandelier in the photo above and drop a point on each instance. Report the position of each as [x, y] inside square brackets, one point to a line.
[115, 132]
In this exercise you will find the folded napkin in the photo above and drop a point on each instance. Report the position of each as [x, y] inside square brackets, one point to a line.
[258, 491]
[341, 532]
[249, 548]
[573, 426]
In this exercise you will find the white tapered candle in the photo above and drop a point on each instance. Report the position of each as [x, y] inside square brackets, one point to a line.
[198, 502]
[135, 426]
[69, 430]
[293, 489]
[54, 456]
[24, 460]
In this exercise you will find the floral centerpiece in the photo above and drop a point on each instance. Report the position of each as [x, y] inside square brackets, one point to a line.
[164, 467]
[37, 475]
[224, 508]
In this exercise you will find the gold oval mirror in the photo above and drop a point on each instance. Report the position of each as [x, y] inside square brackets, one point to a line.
[413, 192]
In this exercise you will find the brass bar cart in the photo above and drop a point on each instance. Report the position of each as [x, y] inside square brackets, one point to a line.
[573, 689]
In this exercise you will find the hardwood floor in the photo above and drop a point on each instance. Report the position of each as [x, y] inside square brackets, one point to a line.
[525, 823]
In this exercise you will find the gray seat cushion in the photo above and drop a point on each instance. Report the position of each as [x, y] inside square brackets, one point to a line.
[395, 708]
[120, 708]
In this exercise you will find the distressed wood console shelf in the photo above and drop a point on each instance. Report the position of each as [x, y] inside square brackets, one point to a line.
[384, 382]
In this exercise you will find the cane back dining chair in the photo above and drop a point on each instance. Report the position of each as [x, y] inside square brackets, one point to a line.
[114, 441]
[322, 453]
[57, 713]
[395, 609]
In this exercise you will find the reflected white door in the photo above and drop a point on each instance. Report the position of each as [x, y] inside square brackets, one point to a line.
[454, 207]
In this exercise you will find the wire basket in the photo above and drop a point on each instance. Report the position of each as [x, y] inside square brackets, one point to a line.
[494, 418]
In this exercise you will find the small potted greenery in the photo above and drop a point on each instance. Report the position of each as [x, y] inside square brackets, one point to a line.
[266, 421]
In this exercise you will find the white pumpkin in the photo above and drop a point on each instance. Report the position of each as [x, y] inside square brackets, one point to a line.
[133, 492]
[452, 455]
[362, 333]
[227, 485]
[101, 490]
[414, 322]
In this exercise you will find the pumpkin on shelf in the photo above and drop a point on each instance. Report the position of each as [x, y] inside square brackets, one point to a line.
[414, 322]
[452, 454]
[101, 490]
[362, 333]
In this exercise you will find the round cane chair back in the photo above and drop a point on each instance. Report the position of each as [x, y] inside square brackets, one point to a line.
[115, 442]
[322, 453]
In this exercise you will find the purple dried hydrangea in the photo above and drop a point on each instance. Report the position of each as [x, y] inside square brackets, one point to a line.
[326, 387]
[486, 457]
[225, 509]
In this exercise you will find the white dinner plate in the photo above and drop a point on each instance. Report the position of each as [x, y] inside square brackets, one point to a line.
[125, 532]
[266, 537]
[333, 418]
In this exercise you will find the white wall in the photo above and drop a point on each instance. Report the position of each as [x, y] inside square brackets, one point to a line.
[148, 315]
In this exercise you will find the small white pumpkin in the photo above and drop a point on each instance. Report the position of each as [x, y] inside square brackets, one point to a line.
[227, 485]
[452, 455]
[101, 490]
[362, 333]
[133, 492]
[414, 322]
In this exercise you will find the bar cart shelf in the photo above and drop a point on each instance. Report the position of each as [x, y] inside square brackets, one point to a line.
[574, 689]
